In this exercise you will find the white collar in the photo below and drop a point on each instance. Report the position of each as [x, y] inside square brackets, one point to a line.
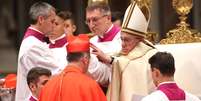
[109, 28]
[53, 41]
[31, 95]
[35, 29]
[35, 97]
[166, 82]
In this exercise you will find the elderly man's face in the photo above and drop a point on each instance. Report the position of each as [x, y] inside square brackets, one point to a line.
[47, 24]
[129, 42]
[97, 22]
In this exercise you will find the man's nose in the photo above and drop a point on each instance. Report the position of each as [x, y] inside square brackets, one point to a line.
[54, 25]
[123, 44]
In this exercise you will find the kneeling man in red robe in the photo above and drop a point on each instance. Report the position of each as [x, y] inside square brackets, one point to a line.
[73, 84]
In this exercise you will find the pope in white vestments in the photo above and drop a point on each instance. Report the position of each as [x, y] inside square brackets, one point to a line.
[131, 71]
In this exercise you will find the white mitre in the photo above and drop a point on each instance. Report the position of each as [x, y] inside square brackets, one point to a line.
[136, 20]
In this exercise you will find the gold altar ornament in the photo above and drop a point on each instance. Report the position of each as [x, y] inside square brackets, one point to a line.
[182, 33]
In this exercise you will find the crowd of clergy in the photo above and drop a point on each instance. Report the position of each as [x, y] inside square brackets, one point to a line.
[114, 62]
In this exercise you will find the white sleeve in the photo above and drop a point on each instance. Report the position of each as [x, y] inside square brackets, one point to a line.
[38, 56]
[99, 71]
[191, 97]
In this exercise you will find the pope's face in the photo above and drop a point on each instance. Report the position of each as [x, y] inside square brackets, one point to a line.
[129, 42]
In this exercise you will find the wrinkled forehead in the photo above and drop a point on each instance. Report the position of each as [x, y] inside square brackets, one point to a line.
[51, 14]
[129, 35]
[93, 13]
[125, 34]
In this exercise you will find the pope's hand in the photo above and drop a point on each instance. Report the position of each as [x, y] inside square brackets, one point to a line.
[100, 54]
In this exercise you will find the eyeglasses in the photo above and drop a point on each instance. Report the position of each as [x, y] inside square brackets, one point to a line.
[94, 19]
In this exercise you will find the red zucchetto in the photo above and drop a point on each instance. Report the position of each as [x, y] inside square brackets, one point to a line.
[78, 43]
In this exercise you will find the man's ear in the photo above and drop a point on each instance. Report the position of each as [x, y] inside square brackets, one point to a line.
[65, 28]
[32, 87]
[40, 19]
[83, 59]
[157, 73]
[109, 17]
[65, 25]
[74, 28]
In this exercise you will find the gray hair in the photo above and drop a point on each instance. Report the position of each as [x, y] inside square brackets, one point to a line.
[40, 9]
[101, 6]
